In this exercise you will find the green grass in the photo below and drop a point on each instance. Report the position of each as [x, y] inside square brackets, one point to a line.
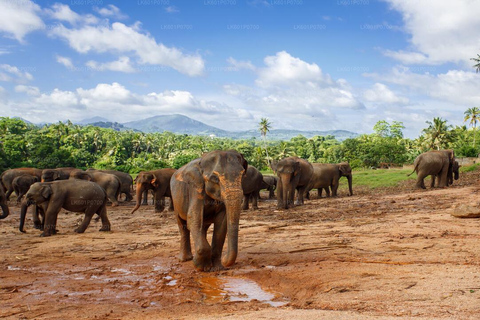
[473, 167]
[378, 178]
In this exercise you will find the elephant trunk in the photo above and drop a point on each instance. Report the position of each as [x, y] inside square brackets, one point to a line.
[285, 188]
[349, 178]
[23, 213]
[233, 208]
[5, 210]
[139, 193]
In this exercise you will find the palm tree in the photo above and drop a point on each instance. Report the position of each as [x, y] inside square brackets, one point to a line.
[477, 60]
[472, 114]
[437, 134]
[265, 126]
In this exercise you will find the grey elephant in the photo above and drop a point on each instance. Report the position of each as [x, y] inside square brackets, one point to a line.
[3, 204]
[436, 163]
[107, 181]
[326, 175]
[8, 176]
[293, 174]
[72, 195]
[159, 182]
[22, 183]
[270, 184]
[209, 191]
[455, 174]
[251, 185]
[56, 174]
[125, 179]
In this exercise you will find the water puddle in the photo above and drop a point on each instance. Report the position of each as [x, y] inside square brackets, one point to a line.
[218, 289]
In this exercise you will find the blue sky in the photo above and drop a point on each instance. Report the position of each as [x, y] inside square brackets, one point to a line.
[304, 64]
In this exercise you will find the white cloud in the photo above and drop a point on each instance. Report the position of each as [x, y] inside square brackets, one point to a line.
[172, 9]
[110, 11]
[29, 90]
[18, 18]
[380, 93]
[121, 65]
[67, 62]
[10, 73]
[239, 65]
[125, 39]
[441, 30]
[62, 12]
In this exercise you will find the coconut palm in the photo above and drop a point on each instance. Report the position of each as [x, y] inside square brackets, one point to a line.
[472, 114]
[437, 134]
[265, 126]
[477, 60]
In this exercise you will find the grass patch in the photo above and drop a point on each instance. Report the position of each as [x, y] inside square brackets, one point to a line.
[471, 168]
[379, 178]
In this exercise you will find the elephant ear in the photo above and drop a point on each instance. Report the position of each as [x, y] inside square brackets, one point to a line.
[243, 162]
[154, 182]
[192, 175]
[296, 168]
[46, 191]
[55, 176]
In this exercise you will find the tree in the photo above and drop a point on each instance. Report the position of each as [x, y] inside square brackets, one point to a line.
[265, 126]
[472, 114]
[477, 60]
[437, 134]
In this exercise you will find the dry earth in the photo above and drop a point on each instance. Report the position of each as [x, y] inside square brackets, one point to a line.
[393, 253]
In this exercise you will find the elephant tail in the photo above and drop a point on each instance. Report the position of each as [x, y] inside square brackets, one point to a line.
[414, 169]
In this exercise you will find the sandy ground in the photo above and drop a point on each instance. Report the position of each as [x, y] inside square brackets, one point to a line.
[389, 254]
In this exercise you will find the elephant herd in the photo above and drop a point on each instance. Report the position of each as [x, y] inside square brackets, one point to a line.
[213, 189]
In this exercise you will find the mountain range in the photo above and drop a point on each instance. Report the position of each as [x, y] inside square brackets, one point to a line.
[181, 124]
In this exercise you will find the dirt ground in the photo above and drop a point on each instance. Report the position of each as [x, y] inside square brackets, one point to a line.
[392, 253]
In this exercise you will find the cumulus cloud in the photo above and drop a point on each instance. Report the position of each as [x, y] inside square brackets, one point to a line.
[29, 90]
[67, 62]
[128, 39]
[380, 93]
[110, 11]
[10, 73]
[18, 18]
[440, 30]
[239, 65]
[123, 64]
[62, 12]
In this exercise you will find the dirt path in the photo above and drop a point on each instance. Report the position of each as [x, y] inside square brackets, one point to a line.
[395, 253]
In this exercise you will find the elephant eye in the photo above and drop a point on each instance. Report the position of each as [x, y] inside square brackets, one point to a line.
[213, 178]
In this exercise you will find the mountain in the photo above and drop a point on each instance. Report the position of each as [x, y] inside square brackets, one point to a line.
[91, 120]
[181, 124]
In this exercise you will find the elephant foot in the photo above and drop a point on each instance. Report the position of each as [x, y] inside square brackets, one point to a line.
[47, 234]
[203, 263]
[38, 226]
[217, 267]
[105, 228]
[185, 257]
[159, 210]
[79, 230]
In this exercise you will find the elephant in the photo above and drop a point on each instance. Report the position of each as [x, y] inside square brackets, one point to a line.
[293, 174]
[3, 205]
[8, 176]
[107, 181]
[434, 163]
[145, 193]
[251, 185]
[205, 191]
[326, 175]
[455, 174]
[56, 174]
[125, 179]
[269, 183]
[72, 195]
[22, 183]
[159, 182]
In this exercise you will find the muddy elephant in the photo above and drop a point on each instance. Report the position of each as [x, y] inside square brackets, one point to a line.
[159, 182]
[107, 181]
[205, 191]
[56, 174]
[436, 163]
[22, 183]
[293, 174]
[251, 185]
[270, 184]
[125, 179]
[326, 175]
[3, 205]
[8, 176]
[71, 195]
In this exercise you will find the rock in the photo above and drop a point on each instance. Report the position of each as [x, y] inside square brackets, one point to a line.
[466, 211]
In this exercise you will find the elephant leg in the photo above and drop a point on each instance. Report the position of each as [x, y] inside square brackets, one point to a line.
[301, 191]
[280, 195]
[202, 258]
[432, 183]
[319, 191]
[291, 196]
[8, 193]
[128, 196]
[271, 193]
[112, 197]
[307, 195]
[327, 191]
[246, 199]
[218, 240]
[420, 180]
[51, 214]
[145, 194]
[185, 246]
[102, 212]
[159, 199]
[37, 224]
[334, 188]
[170, 205]
[255, 195]
[89, 212]
[443, 177]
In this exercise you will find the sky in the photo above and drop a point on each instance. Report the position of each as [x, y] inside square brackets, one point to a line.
[303, 64]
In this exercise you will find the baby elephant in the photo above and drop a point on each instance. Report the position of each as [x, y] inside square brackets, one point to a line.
[73, 195]
[22, 183]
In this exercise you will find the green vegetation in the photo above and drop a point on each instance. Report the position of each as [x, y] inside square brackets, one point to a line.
[67, 144]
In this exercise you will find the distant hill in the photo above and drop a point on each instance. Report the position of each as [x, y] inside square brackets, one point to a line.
[91, 120]
[111, 125]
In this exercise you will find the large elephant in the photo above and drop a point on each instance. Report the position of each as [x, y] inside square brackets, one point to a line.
[125, 179]
[293, 174]
[72, 195]
[205, 191]
[107, 181]
[326, 175]
[251, 185]
[455, 174]
[436, 163]
[3, 204]
[270, 184]
[8, 176]
[159, 182]
[56, 174]
[22, 183]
